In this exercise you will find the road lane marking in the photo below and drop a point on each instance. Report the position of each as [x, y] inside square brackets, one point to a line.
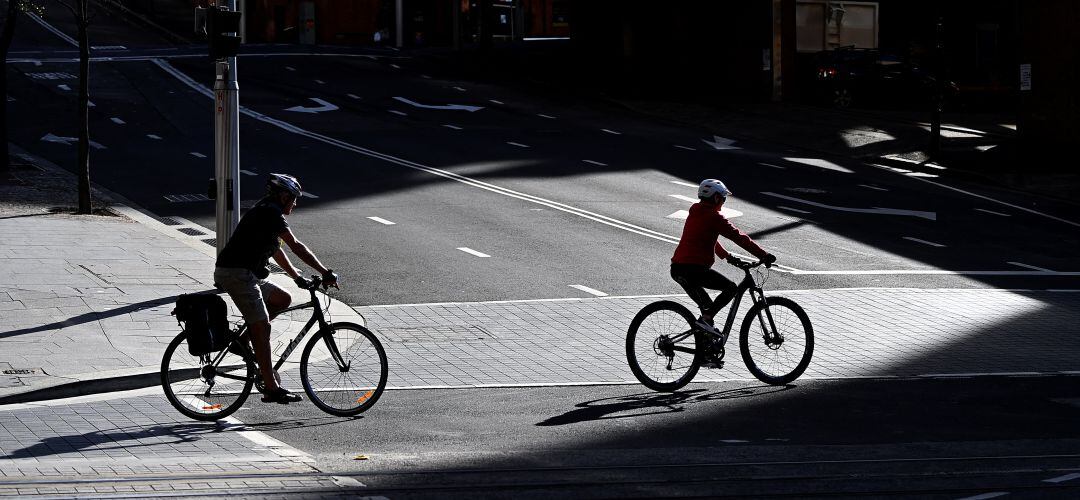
[875, 210]
[518, 144]
[473, 252]
[986, 496]
[396, 112]
[323, 105]
[247, 172]
[591, 291]
[720, 143]
[290, 68]
[320, 82]
[454, 127]
[729, 213]
[867, 186]
[924, 242]
[1062, 479]
[612, 132]
[446, 107]
[549, 117]
[793, 209]
[426, 77]
[969, 193]
[53, 29]
[67, 141]
[1028, 266]
[459, 89]
[684, 198]
[117, 121]
[496, 102]
[821, 163]
[771, 165]
[680, 215]
[64, 87]
[688, 148]
[683, 183]
[595, 163]
[154, 137]
[353, 96]
[308, 195]
[992, 212]
[197, 154]
[395, 66]
[381, 220]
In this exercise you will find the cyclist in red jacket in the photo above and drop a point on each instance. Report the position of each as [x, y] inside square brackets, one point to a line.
[691, 266]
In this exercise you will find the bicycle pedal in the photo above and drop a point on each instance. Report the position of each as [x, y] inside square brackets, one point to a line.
[714, 365]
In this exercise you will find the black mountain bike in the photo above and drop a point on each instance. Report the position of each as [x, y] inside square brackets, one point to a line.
[666, 349]
[343, 369]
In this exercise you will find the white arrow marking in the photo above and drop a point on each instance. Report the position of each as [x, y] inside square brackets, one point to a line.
[323, 106]
[473, 252]
[729, 213]
[590, 291]
[381, 220]
[720, 143]
[117, 121]
[64, 87]
[818, 162]
[91, 104]
[67, 141]
[449, 107]
[683, 198]
[875, 210]
[680, 215]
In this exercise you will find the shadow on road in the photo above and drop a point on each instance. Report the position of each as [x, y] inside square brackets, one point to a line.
[651, 403]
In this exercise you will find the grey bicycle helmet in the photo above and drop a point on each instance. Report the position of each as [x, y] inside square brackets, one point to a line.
[286, 183]
[709, 187]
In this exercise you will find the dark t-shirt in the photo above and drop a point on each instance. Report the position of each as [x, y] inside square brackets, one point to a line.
[255, 239]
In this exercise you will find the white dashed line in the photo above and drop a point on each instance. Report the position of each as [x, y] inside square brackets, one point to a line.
[496, 102]
[518, 144]
[396, 112]
[793, 209]
[687, 184]
[688, 148]
[63, 87]
[455, 127]
[473, 252]
[924, 242]
[381, 220]
[591, 291]
[1029, 266]
[395, 66]
[612, 132]
[290, 68]
[426, 77]
[320, 82]
[247, 172]
[992, 212]
[154, 137]
[117, 121]
[459, 89]
[353, 96]
[197, 154]
[867, 186]
[985, 496]
[549, 117]
[771, 165]
[595, 163]
[1062, 479]
[684, 198]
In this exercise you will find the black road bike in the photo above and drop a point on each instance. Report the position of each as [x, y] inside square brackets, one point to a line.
[343, 369]
[665, 347]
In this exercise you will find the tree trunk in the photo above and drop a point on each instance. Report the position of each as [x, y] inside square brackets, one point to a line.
[84, 109]
[6, 36]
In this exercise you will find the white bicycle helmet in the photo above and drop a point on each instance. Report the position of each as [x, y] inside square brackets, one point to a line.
[709, 187]
[284, 182]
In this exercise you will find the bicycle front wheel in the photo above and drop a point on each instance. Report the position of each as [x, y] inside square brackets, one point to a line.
[661, 346]
[344, 369]
[200, 389]
[776, 340]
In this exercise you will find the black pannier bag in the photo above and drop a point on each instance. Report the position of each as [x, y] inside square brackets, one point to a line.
[205, 318]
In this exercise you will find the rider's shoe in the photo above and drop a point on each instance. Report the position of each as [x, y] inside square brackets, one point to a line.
[280, 396]
[707, 326]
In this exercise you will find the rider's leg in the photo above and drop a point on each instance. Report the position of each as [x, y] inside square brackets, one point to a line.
[259, 333]
[716, 281]
[277, 300]
[686, 276]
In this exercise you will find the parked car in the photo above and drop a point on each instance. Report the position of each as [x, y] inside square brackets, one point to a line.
[866, 77]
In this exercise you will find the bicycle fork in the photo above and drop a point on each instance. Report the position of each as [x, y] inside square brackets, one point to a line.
[768, 325]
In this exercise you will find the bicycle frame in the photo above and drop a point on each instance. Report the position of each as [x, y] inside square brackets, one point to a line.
[757, 294]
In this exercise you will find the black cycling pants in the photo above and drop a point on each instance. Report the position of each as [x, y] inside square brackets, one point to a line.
[695, 279]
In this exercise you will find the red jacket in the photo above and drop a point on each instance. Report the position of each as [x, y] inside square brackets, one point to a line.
[703, 227]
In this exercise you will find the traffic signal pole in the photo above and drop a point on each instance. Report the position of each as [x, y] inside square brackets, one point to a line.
[223, 35]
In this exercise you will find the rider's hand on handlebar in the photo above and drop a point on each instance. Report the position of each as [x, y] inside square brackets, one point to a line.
[735, 261]
[769, 259]
[329, 279]
[302, 282]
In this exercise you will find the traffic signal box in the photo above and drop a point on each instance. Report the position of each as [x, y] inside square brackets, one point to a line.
[222, 32]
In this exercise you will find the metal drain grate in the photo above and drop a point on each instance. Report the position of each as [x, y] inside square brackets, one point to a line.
[437, 333]
[191, 232]
[168, 221]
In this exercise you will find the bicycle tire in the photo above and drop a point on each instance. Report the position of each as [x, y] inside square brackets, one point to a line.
[769, 363]
[188, 390]
[654, 321]
[328, 386]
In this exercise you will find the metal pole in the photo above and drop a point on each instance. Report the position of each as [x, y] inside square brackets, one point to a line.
[939, 90]
[399, 23]
[227, 146]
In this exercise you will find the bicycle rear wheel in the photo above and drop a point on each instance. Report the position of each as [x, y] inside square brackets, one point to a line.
[661, 346]
[778, 356]
[344, 369]
[200, 389]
